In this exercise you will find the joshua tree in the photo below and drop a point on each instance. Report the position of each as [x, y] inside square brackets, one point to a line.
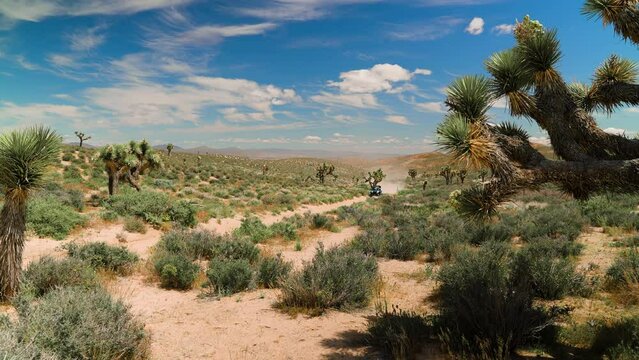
[424, 184]
[264, 169]
[324, 170]
[82, 137]
[412, 173]
[447, 173]
[461, 175]
[169, 148]
[128, 162]
[591, 160]
[374, 178]
[24, 157]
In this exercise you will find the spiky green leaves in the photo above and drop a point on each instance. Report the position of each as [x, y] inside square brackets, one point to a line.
[511, 129]
[512, 79]
[541, 53]
[616, 70]
[25, 155]
[476, 203]
[453, 135]
[470, 97]
[623, 14]
[465, 141]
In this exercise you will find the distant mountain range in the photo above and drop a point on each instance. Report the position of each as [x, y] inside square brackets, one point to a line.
[269, 153]
[280, 153]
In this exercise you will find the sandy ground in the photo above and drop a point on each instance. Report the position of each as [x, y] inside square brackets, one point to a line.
[185, 325]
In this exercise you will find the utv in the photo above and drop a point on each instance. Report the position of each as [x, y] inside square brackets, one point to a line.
[376, 191]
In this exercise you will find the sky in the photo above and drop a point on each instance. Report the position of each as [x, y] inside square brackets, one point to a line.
[341, 75]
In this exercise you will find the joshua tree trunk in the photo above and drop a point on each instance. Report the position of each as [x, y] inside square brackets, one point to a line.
[81, 141]
[13, 218]
[113, 183]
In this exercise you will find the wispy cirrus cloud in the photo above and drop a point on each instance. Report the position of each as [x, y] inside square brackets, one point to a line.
[425, 31]
[36, 10]
[293, 10]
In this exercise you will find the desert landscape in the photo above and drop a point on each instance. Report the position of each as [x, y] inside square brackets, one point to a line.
[491, 243]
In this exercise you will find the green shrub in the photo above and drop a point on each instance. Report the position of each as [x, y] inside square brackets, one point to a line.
[102, 256]
[77, 323]
[47, 216]
[134, 224]
[400, 333]
[338, 278]
[176, 271]
[484, 309]
[108, 215]
[194, 244]
[229, 276]
[152, 206]
[232, 249]
[320, 221]
[272, 271]
[286, 230]
[184, 213]
[611, 210]
[625, 270]
[12, 348]
[47, 274]
[405, 244]
[619, 340]
[252, 228]
[550, 278]
[558, 221]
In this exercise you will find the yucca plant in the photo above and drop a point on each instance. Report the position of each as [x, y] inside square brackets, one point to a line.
[24, 158]
[527, 77]
[128, 162]
[169, 148]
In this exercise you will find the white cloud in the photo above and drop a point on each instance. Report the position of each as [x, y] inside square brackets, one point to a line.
[424, 72]
[387, 140]
[542, 140]
[24, 63]
[86, 40]
[504, 29]
[38, 113]
[204, 35]
[501, 103]
[425, 31]
[633, 110]
[61, 60]
[398, 119]
[617, 131]
[476, 26]
[378, 78]
[139, 66]
[311, 139]
[361, 101]
[35, 10]
[150, 103]
[295, 9]
[435, 106]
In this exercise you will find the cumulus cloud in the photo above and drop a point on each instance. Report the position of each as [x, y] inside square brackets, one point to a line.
[378, 78]
[424, 72]
[476, 26]
[434, 106]
[504, 29]
[398, 119]
[312, 139]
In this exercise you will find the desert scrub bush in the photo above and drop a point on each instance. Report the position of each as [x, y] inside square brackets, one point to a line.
[339, 278]
[555, 222]
[551, 278]
[47, 274]
[164, 184]
[47, 216]
[611, 210]
[484, 309]
[194, 244]
[253, 229]
[105, 257]
[320, 221]
[229, 276]
[399, 333]
[184, 213]
[624, 272]
[272, 271]
[148, 205]
[74, 323]
[134, 224]
[12, 348]
[108, 215]
[285, 229]
[176, 271]
[70, 197]
[616, 339]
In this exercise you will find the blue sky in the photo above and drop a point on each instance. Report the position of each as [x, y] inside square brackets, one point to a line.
[362, 75]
